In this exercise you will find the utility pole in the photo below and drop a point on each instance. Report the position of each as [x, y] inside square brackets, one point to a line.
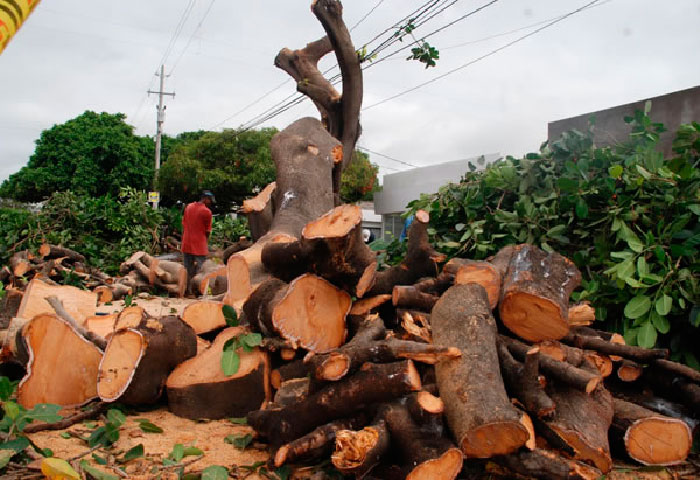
[160, 118]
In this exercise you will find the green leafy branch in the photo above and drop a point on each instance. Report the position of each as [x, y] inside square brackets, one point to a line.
[230, 359]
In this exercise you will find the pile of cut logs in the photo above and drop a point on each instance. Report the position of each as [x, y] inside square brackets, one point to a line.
[413, 378]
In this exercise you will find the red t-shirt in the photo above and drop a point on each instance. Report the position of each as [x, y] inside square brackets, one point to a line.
[196, 222]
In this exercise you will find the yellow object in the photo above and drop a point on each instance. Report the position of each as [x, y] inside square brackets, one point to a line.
[12, 14]
[58, 469]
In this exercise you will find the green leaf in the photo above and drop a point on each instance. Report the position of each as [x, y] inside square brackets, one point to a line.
[581, 208]
[65, 435]
[99, 460]
[646, 336]
[134, 452]
[637, 307]
[116, 417]
[148, 427]
[5, 457]
[230, 315]
[663, 305]
[230, 361]
[239, 441]
[178, 452]
[16, 444]
[215, 472]
[44, 412]
[6, 389]
[251, 339]
[459, 227]
[695, 208]
[12, 410]
[660, 322]
[283, 472]
[615, 171]
[642, 267]
[96, 473]
[238, 420]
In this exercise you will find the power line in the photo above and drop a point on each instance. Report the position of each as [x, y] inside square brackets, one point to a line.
[178, 30]
[482, 57]
[189, 41]
[366, 15]
[386, 156]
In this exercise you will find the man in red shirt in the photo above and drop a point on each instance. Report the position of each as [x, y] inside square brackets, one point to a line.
[196, 227]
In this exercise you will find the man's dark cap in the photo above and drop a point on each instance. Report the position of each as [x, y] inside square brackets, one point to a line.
[207, 193]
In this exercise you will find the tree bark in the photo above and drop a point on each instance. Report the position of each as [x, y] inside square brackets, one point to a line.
[638, 354]
[535, 295]
[546, 465]
[524, 381]
[260, 211]
[373, 383]
[478, 410]
[358, 452]
[409, 297]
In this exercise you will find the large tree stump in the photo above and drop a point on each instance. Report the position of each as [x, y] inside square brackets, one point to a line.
[198, 387]
[308, 313]
[478, 410]
[535, 295]
[650, 438]
[137, 361]
[372, 384]
[62, 367]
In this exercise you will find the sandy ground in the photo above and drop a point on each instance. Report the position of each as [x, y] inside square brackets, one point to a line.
[154, 306]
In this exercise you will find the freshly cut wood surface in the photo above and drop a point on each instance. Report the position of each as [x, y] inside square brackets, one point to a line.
[80, 304]
[52, 375]
[309, 312]
[478, 410]
[357, 452]
[259, 211]
[130, 317]
[204, 316]
[535, 294]
[198, 387]
[102, 325]
[367, 305]
[484, 274]
[137, 361]
[629, 371]
[650, 438]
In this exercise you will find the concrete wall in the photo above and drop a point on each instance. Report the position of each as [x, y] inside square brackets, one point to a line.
[672, 110]
[403, 187]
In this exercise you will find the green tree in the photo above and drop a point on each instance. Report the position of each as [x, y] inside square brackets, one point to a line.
[93, 154]
[359, 181]
[231, 164]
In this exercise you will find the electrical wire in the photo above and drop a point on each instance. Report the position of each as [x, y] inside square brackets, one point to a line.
[386, 156]
[482, 57]
[366, 15]
[194, 32]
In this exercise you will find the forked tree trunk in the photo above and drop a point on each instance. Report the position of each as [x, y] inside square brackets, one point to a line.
[198, 387]
[535, 294]
[54, 347]
[137, 361]
[650, 438]
[478, 410]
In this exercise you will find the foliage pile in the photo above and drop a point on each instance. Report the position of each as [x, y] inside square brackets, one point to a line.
[627, 216]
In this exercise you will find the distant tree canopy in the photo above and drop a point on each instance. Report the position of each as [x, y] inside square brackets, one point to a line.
[97, 154]
[93, 154]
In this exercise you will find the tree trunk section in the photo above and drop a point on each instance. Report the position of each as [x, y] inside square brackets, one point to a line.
[546, 465]
[523, 381]
[260, 211]
[358, 452]
[204, 316]
[478, 410]
[198, 387]
[535, 295]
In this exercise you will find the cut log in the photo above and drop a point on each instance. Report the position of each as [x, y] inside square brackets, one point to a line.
[426, 410]
[535, 294]
[415, 325]
[54, 347]
[580, 424]
[130, 317]
[436, 285]
[564, 372]
[61, 312]
[484, 274]
[337, 364]
[289, 371]
[285, 260]
[478, 410]
[198, 388]
[421, 260]
[427, 456]
[19, 263]
[137, 361]
[291, 391]
[546, 465]
[211, 275]
[638, 354]
[80, 304]
[409, 297]
[677, 369]
[372, 384]
[629, 371]
[523, 381]
[368, 305]
[48, 251]
[259, 212]
[358, 452]
[309, 312]
[204, 316]
[581, 315]
[334, 245]
[242, 244]
[316, 444]
[101, 325]
[649, 438]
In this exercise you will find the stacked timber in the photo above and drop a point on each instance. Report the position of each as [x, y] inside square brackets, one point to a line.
[142, 272]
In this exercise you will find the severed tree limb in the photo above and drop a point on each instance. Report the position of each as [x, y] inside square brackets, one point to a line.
[524, 381]
[67, 421]
[358, 452]
[57, 305]
[546, 465]
[638, 354]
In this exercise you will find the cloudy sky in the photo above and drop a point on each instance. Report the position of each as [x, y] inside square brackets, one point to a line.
[101, 55]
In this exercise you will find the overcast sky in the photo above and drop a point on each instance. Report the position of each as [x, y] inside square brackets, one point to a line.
[101, 55]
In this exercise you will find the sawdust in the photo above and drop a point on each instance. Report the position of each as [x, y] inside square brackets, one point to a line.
[154, 306]
[208, 436]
